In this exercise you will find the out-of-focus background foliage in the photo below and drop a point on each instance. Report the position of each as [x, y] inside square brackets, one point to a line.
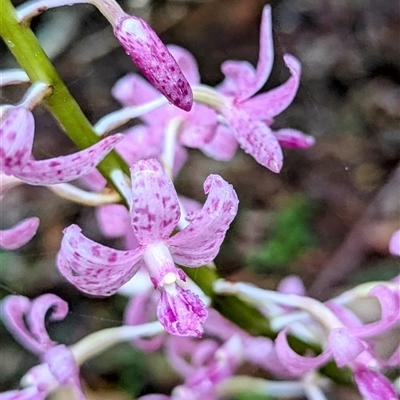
[327, 217]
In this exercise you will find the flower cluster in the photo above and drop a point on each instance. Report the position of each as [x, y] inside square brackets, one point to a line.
[166, 234]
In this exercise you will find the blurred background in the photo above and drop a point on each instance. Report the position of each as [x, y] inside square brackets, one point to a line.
[326, 217]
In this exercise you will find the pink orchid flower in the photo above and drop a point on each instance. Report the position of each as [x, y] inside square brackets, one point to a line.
[249, 117]
[155, 212]
[346, 345]
[16, 141]
[394, 244]
[25, 319]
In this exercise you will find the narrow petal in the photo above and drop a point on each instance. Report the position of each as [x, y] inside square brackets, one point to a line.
[64, 368]
[255, 138]
[155, 208]
[344, 346]
[20, 234]
[26, 319]
[181, 312]
[29, 393]
[187, 63]
[223, 145]
[390, 316]
[199, 242]
[133, 90]
[239, 75]
[295, 363]
[265, 57]
[67, 168]
[16, 139]
[269, 104]
[373, 385]
[394, 244]
[94, 268]
[150, 54]
[292, 138]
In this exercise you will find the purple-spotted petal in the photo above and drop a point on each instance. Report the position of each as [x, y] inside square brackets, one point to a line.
[269, 104]
[295, 363]
[19, 234]
[94, 268]
[199, 242]
[16, 139]
[181, 312]
[265, 57]
[255, 138]
[155, 208]
[223, 145]
[187, 63]
[26, 320]
[67, 168]
[64, 368]
[394, 244]
[150, 54]
[344, 346]
[292, 138]
[373, 385]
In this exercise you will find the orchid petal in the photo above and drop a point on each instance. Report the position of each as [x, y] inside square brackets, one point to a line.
[19, 234]
[295, 363]
[199, 242]
[155, 208]
[200, 127]
[390, 305]
[67, 168]
[133, 90]
[265, 57]
[255, 138]
[269, 104]
[394, 244]
[29, 393]
[292, 284]
[344, 346]
[223, 145]
[139, 311]
[32, 334]
[373, 385]
[16, 139]
[150, 54]
[141, 142]
[187, 63]
[239, 75]
[94, 268]
[64, 368]
[113, 220]
[292, 138]
[181, 312]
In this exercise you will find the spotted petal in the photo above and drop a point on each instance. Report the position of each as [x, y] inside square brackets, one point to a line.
[255, 138]
[155, 208]
[67, 168]
[94, 268]
[16, 138]
[19, 235]
[199, 242]
[187, 63]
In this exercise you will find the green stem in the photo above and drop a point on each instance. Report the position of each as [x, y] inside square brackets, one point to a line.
[25, 47]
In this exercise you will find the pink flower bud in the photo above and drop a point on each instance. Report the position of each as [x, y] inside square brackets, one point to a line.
[151, 55]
